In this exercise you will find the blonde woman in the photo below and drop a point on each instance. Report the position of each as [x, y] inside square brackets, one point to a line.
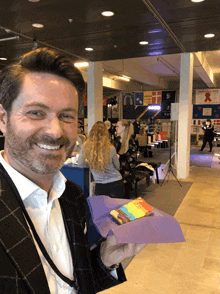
[127, 150]
[101, 157]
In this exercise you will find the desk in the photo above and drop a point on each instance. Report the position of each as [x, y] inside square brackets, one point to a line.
[80, 176]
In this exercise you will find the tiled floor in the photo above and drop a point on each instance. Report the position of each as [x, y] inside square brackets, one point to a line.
[183, 268]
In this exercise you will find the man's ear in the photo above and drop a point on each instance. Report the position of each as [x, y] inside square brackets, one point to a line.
[3, 119]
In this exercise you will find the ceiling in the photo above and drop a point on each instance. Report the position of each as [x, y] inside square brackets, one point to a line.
[170, 27]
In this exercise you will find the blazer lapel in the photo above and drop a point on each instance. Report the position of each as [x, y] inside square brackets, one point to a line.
[73, 204]
[16, 239]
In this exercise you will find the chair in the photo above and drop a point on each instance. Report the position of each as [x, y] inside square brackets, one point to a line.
[138, 176]
[142, 170]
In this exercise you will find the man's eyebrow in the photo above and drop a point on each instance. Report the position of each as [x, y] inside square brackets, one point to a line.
[38, 104]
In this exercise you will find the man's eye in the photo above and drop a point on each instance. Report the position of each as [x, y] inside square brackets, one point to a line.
[35, 113]
[67, 117]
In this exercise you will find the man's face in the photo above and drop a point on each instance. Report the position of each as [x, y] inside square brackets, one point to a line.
[208, 123]
[119, 128]
[41, 130]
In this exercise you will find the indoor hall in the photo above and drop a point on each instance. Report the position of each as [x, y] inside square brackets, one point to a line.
[141, 54]
[191, 267]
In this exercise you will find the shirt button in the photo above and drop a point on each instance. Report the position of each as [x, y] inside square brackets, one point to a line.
[56, 247]
[65, 286]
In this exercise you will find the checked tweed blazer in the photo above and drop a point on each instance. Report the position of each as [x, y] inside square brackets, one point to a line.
[21, 271]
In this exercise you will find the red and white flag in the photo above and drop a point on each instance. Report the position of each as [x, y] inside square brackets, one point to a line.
[156, 97]
[216, 122]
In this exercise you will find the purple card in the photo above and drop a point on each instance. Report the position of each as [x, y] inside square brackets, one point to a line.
[159, 227]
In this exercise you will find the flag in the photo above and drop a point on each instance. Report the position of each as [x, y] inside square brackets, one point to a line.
[156, 97]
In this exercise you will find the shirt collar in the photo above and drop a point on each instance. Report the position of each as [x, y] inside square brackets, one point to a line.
[26, 187]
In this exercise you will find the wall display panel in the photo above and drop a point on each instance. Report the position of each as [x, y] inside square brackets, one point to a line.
[141, 112]
[128, 99]
[139, 98]
[129, 112]
[168, 97]
[208, 96]
[152, 97]
[136, 104]
[203, 112]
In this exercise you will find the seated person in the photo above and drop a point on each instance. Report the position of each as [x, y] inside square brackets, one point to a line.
[142, 138]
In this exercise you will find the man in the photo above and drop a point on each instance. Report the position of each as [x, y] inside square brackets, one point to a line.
[43, 238]
[208, 134]
[151, 128]
[136, 125]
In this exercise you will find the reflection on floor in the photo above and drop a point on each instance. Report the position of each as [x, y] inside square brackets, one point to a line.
[183, 268]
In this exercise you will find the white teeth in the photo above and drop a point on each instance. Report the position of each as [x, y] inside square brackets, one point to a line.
[48, 147]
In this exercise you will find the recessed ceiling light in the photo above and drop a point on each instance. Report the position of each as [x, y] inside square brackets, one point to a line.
[81, 64]
[107, 13]
[209, 35]
[143, 43]
[33, 0]
[89, 49]
[37, 25]
[197, 1]
[3, 58]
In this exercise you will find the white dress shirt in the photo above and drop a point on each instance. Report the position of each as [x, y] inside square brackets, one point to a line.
[47, 218]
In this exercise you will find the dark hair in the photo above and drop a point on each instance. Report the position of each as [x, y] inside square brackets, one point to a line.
[208, 120]
[42, 60]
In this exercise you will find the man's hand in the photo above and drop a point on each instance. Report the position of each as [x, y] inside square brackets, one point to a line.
[113, 253]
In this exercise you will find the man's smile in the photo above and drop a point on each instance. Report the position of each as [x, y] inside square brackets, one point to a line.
[49, 147]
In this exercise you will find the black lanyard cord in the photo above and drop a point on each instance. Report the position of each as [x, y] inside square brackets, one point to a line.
[42, 248]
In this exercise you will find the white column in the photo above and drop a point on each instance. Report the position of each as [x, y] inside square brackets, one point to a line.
[185, 115]
[94, 93]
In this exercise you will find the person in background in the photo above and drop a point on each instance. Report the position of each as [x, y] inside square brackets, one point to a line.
[79, 142]
[110, 128]
[142, 141]
[151, 128]
[108, 124]
[44, 244]
[157, 126]
[127, 150]
[208, 134]
[136, 125]
[101, 157]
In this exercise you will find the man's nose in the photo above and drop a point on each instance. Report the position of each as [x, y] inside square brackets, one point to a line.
[54, 128]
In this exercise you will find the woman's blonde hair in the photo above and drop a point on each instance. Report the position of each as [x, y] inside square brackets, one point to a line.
[97, 147]
[126, 136]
